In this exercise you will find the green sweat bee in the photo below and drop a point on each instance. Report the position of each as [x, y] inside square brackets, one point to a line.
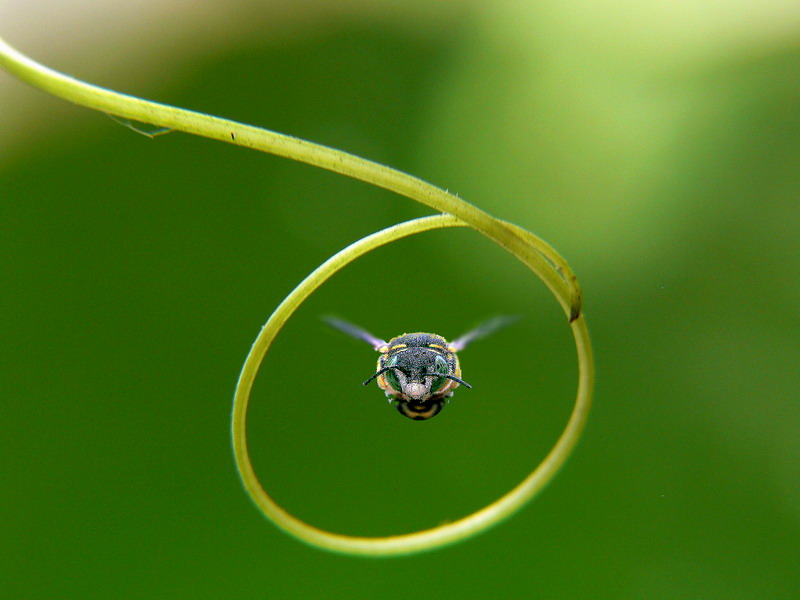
[418, 372]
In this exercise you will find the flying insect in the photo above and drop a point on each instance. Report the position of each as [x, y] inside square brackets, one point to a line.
[418, 372]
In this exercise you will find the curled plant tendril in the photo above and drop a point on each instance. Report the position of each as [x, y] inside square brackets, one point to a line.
[537, 255]
[423, 540]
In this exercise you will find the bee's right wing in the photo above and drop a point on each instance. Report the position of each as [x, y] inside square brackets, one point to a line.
[356, 332]
[483, 330]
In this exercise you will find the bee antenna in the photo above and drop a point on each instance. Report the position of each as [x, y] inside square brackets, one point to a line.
[456, 379]
[452, 377]
[378, 374]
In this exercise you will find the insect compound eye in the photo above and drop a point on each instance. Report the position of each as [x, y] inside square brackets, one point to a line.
[391, 377]
[391, 374]
[442, 368]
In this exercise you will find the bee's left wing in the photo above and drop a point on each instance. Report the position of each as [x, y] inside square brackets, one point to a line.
[483, 330]
[356, 332]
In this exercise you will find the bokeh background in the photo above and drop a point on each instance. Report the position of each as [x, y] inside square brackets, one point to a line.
[656, 146]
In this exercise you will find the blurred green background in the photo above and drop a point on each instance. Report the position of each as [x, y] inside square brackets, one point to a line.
[658, 150]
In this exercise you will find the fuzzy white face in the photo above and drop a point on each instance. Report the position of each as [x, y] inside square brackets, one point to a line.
[415, 389]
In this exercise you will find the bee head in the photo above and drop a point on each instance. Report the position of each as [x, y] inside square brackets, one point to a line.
[416, 374]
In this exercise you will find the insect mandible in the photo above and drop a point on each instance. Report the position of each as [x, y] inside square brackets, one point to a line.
[419, 372]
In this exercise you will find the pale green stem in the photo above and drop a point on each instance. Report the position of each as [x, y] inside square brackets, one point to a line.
[532, 251]
[535, 253]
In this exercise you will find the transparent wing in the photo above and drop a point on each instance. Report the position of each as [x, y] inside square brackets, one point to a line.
[483, 330]
[355, 331]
